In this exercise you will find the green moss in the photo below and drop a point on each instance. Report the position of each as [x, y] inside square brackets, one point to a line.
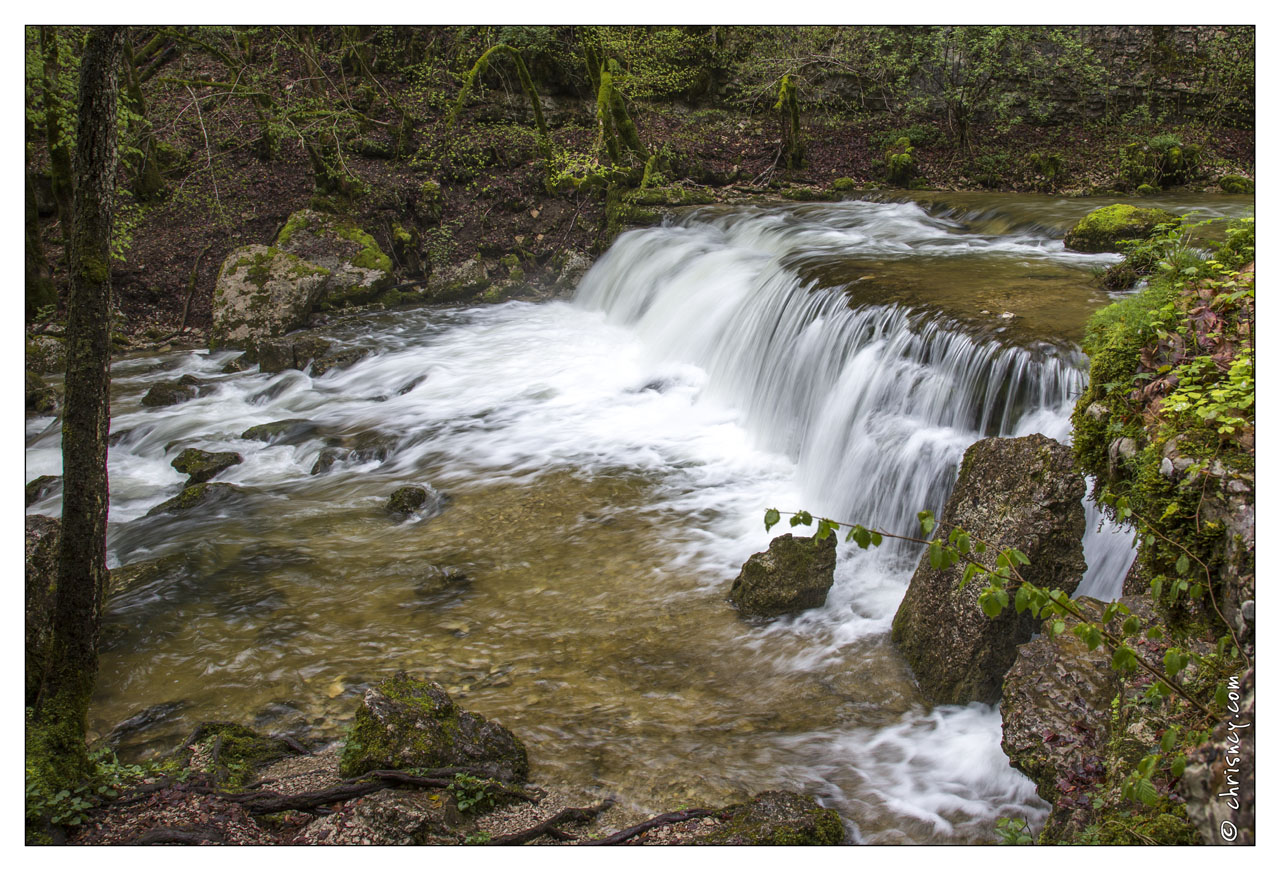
[230, 754]
[1103, 229]
[297, 221]
[1235, 184]
[844, 184]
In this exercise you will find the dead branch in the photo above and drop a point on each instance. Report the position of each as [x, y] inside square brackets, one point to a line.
[551, 826]
[656, 822]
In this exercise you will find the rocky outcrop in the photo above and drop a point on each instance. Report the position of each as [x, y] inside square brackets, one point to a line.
[1022, 493]
[200, 465]
[1078, 729]
[299, 350]
[41, 579]
[1219, 783]
[167, 393]
[1104, 228]
[410, 723]
[263, 292]
[792, 575]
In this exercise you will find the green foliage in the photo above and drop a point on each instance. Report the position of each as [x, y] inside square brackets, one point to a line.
[1161, 161]
[654, 63]
[1223, 401]
[1049, 167]
[1013, 832]
[901, 162]
[789, 108]
[473, 794]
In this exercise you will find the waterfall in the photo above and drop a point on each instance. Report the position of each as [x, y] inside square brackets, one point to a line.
[875, 403]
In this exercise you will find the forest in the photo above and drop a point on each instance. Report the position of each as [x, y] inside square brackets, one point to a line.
[396, 391]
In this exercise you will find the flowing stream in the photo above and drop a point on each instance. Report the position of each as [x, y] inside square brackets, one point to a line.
[604, 466]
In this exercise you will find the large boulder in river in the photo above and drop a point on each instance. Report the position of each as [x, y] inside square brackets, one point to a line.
[1103, 229]
[1022, 493]
[263, 292]
[358, 269]
[410, 723]
[165, 393]
[298, 350]
[792, 575]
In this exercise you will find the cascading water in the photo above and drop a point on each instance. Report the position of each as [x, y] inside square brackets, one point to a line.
[608, 464]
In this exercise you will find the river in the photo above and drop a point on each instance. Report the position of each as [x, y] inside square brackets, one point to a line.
[604, 465]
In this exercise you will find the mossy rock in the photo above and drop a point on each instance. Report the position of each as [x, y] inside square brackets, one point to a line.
[41, 398]
[1102, 229]
[197, 495]
[777, 819]
[1235, 184]
[200, 465]
[229, 755]
[358, 269]
[46, 354]
[844, 184]
[792, 575]
[262, 292]
[405, 722]
[422, 501]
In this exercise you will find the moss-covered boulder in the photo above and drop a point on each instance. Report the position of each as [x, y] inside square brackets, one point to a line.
[409, 723]
[41, 580]
[776, 819]
[41, 398]
[40, 487]
[407, 500]
[1103, 229]
[358, 269]
[263, 292]
[1022, 493]
[795, 573]
[200, 465]
[197, 496]
[1235, 184]
[167, 393]
[458, 282]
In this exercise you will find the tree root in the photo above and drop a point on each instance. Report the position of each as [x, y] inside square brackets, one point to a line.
[184, 837]
[551, 826]
[656, 822]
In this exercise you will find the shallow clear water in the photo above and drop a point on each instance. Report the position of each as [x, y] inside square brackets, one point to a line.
[606, 465]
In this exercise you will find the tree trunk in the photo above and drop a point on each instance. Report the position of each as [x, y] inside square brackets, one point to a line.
[61, 710]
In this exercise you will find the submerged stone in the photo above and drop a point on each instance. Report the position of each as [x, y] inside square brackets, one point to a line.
[1023, 493]
[200, 465]
[415, 500]
[792, 575]
[409, 723]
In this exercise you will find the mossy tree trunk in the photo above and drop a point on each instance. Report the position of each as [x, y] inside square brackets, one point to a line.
[792, 142]
[526, 83]
[56, 736]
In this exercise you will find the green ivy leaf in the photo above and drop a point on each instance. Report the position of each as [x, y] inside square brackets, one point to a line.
[926, 522]
[801, 518]
[1124, 660]
[1183, 565]
[771, 518]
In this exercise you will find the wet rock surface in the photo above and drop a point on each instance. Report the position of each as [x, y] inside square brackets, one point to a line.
[168, 393]
[200, 465]
[794, 574]
[1022, 493]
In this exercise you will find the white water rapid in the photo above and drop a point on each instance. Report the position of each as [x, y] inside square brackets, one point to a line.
[716, 368]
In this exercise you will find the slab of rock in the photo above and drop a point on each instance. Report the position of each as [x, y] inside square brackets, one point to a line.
[263, 292]
[1022, 493]
[795, 573]
[409, 723]
[1104, 228]
[200, 465]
